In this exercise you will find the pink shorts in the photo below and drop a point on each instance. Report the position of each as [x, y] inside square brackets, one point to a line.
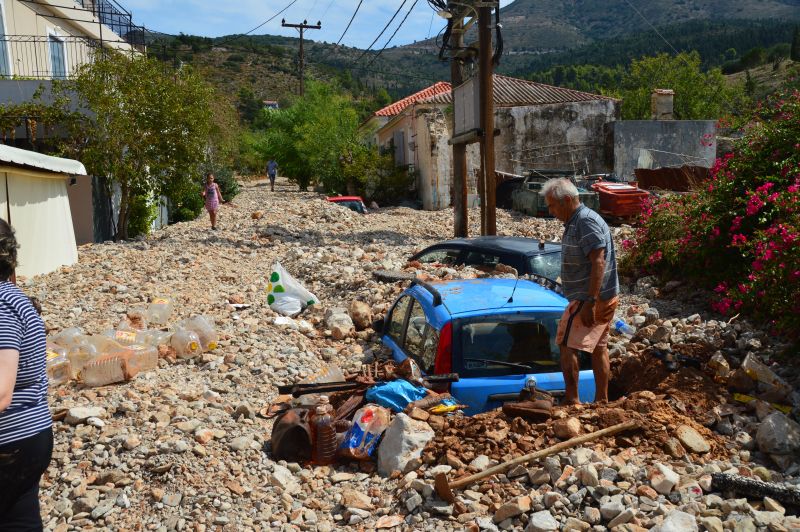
[573, 333]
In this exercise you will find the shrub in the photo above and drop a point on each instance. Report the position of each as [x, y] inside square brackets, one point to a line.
[142, 214]
[740, 234]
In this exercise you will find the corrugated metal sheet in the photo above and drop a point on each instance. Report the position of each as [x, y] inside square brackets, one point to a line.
[32, 159]
[511, 92]
[440, 87]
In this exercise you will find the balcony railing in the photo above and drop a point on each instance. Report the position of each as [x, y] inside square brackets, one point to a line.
[51, 57]
[116, 17]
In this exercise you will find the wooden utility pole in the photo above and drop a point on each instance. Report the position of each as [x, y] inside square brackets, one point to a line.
[486, 98]
[460, 214]
[301, 28]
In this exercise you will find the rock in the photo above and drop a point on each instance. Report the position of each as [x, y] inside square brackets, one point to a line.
[512, 509]
[588, 476]
[622, 518]
[692, 439]
[542, 522]
[479, 463]
[663, 479]
[745, 441]
[361, 314]
[646, 491]
[355, 499]
[402, 442]
[771, 505]
[778, 434]
[661, 334]
[677, 521]
[610, 510]
[282, 478]
[338, 319]
[566, 429]
[711, 524]
[573, 523]
[241, 443]
[172, 499]
[537, 476]
[592, 515]
[413, 502]
[80, 414]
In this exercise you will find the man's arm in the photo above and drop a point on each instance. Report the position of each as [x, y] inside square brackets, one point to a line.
[597, 257]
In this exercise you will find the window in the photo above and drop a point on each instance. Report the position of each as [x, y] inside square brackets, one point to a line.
[447, 256]
[481, 260]
[421, 339]
[58, 56]
[5, 58]
[398, 319]
[547, 265]
[493, 343]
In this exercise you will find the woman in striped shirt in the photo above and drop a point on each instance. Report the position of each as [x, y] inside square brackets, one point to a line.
[26, 435]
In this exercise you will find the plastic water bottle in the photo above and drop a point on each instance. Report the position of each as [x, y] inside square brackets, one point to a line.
[620, 327]
[142, 358]
[323, 450]
[107, 369]
[159, 310]
[186, 343]
[205, 331]
[69, 338]
[59, 369]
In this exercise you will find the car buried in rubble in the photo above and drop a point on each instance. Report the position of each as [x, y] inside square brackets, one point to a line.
[496, 334]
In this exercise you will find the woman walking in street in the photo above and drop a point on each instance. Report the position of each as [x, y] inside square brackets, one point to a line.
[26, 435]
[213, 196]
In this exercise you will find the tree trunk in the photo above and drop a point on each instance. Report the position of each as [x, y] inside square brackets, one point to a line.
[124, 212]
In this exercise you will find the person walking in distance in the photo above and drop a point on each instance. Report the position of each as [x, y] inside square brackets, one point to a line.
[213, 196]
[590, 283]
[272, 172]
[26, 434]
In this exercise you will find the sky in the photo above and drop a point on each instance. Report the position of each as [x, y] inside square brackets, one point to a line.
[214, 18]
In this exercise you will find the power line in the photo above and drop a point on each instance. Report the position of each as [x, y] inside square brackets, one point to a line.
[351, 21]
[312, 8]
[386, 27]
[395, 33]
[654, 28]
[327, 9]
[270, 19]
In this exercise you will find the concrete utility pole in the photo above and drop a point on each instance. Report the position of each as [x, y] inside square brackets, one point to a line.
[301, 28]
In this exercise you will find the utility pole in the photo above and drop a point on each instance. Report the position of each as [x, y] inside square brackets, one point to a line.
[460, 212]
[485, 73]
[301, 28]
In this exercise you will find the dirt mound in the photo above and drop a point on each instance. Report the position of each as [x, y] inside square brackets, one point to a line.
[688, 385]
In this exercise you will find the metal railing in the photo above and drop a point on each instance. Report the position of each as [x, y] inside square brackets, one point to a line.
[117, 18]
[50, 57]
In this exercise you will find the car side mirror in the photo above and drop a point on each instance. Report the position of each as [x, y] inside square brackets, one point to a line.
[377, 325]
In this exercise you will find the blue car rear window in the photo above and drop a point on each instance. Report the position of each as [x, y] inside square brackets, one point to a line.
[547, 265]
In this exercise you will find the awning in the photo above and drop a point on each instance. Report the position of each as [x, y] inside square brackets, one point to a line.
[32, 159]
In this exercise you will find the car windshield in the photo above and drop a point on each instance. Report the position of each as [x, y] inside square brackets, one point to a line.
[353, 205]
[528, 339]
[547, 265]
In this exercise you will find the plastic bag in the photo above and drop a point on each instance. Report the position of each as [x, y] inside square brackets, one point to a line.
[361, 439]
[395, 394]
[284, 292]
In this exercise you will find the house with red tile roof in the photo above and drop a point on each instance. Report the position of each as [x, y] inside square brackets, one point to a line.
[540, 126]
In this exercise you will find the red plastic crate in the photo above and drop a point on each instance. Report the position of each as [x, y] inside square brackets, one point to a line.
[619, 199]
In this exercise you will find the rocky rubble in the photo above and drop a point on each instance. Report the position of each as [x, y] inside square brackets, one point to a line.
[183, 447]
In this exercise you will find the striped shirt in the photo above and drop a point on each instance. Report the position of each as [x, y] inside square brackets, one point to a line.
[583, 233]
[22, 330]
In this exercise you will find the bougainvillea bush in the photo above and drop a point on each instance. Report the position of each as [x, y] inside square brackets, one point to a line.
[740, 234]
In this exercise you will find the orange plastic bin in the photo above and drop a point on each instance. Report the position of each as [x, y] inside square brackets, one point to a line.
[619, 199]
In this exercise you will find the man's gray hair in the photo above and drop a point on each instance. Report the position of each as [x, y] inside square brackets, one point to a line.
[559, 189]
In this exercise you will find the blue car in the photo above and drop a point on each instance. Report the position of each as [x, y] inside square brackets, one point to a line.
[495, 333]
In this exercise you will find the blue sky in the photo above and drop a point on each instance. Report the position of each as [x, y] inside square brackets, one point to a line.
[212, 18]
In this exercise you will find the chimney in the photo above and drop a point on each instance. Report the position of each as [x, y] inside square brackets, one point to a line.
[661, 102]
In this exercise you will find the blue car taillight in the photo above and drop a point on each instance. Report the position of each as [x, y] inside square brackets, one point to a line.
[444, 352]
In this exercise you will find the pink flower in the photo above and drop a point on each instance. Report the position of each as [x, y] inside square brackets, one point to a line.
[655, 257]
[739, 239]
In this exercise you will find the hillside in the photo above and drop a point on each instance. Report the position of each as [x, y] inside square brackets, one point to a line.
[538, 34]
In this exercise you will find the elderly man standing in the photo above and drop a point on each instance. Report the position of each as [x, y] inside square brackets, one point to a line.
[589, 278]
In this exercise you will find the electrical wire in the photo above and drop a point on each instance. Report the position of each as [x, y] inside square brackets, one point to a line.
[351, 21]
[386, 27]
[312, 9]
[327, 9]
[393, 34]
[270, 19]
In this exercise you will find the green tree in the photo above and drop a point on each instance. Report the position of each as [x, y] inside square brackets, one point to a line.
[149, 130]
[795, 53]
[698, 95]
